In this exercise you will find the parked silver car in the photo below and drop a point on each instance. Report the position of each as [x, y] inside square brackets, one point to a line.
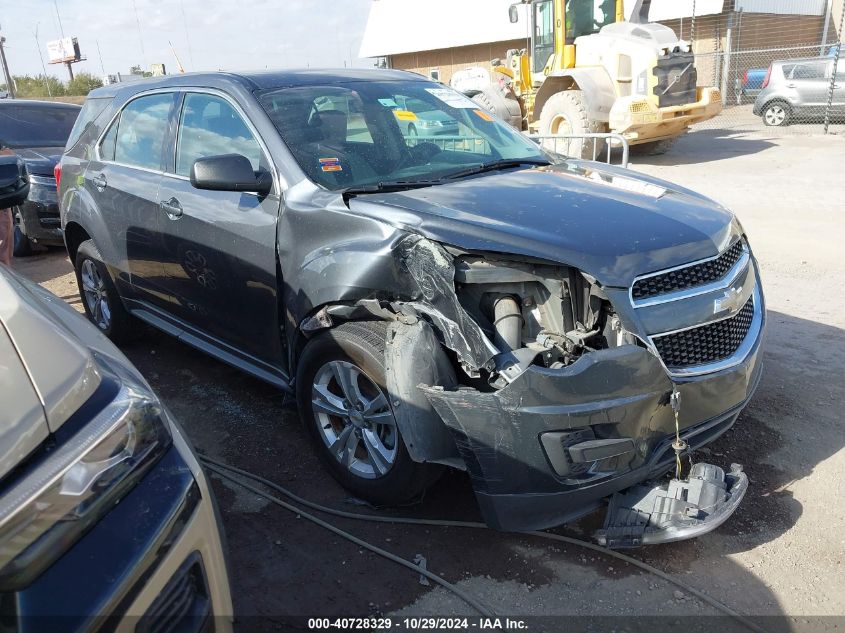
[104, 509]
[797, 90]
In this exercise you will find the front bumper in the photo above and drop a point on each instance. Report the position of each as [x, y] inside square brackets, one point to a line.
[38, 217]
[550, 446]
[640, 120]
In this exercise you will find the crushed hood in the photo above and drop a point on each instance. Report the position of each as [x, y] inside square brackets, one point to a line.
[45, 372]
[610, 222]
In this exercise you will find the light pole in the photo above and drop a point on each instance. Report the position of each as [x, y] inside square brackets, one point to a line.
[41, 57]
[10, 85]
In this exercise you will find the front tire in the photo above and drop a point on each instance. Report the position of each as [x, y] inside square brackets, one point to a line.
[22, 245]
[776, 114]
[346, 408]
[100, 299]
[566, 113]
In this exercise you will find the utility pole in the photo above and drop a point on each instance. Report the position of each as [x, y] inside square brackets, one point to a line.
[43, 67]
[10, 85]
[834, 72]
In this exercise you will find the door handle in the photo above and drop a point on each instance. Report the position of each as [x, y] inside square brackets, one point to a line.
[172, 208]
[99, 181]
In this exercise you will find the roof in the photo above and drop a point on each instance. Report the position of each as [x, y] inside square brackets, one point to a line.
[259, 80]
[404, 26]
[34, 103]
[409, 26]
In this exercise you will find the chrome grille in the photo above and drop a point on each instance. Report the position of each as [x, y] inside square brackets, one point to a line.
[705, 344]
[689, 276]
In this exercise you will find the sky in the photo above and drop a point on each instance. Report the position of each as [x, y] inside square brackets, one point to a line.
[220, 34]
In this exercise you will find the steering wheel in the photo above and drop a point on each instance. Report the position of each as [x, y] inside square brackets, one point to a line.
[418, 155]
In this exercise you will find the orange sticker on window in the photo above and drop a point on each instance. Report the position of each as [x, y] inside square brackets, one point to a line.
[405, 115]
[484, 115]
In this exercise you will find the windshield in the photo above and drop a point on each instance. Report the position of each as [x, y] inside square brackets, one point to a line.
[366, 133]
[585, 17]
[35, 126]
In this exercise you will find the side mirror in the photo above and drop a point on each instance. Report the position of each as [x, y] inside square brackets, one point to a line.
[229, 172]
[14, 182]
[513, 13]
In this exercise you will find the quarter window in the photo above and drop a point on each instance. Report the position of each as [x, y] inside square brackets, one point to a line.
[142, 130]
[211, 126]
[107, 144]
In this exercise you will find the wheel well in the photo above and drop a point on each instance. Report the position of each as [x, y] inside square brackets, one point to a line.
[778, 100]
[551, 86]
[74, 236]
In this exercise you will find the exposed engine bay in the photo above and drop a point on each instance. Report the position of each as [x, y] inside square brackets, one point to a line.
[537, 313]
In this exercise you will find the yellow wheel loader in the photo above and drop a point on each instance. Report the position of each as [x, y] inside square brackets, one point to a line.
[589, 70]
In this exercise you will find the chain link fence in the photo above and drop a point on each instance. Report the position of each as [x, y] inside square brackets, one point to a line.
[784, 90]
[782, 71]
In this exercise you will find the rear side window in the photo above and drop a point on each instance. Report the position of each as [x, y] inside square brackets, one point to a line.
[92, 109]
[141, 131]
[211, 126]
[815, 70]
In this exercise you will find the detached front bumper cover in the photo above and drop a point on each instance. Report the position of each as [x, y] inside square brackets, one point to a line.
[680, 509]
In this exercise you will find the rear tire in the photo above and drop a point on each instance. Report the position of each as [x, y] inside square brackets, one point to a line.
[347, 410]
[566, 113]
[501, 102]
[103, 305]
[23, 246]
[776, 114]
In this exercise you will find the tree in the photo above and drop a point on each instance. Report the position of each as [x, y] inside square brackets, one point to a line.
[82, 84]
[36, 87]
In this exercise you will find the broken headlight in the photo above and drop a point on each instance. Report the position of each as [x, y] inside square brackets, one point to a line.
[53, 504]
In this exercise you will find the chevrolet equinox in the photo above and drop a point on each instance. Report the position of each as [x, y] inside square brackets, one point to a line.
[461, 300]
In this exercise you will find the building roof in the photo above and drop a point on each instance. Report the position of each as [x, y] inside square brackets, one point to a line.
[409, 26]
[405, 26]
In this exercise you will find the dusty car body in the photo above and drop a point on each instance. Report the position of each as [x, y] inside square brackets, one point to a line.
[530, 319]
[104, 509]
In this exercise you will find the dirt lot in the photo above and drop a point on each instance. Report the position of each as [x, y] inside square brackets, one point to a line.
[781, 554]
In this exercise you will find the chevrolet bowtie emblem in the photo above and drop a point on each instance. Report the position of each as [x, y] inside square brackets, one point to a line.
[728, 301]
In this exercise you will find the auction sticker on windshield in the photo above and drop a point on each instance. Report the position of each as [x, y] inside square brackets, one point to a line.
[330, 164]
[452, 98]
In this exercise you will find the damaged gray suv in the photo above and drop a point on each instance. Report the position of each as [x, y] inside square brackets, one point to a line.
[464, 301]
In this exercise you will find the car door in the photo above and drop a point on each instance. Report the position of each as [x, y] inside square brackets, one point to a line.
[220, 257]
[123, 179]
[812, 82]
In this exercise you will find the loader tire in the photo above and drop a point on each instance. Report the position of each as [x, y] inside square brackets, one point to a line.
[566, 113]
[501, 102]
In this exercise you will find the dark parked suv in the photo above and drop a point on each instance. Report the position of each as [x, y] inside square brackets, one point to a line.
[37, 131]
[480, 304]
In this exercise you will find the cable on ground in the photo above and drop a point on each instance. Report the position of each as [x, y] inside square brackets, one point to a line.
[225, 470]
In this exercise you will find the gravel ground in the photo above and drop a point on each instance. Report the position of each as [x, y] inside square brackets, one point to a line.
[780, 555]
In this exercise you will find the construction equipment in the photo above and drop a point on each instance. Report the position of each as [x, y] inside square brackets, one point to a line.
[588, 70]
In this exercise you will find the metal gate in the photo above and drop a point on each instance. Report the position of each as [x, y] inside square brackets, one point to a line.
[607, 146]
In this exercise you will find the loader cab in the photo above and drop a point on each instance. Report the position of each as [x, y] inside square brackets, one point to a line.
[556, 23]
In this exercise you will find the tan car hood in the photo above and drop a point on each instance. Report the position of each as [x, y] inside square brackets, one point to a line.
[45, 373]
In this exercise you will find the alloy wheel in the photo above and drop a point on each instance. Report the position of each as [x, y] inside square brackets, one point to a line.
[355, 420]
[96, 298]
